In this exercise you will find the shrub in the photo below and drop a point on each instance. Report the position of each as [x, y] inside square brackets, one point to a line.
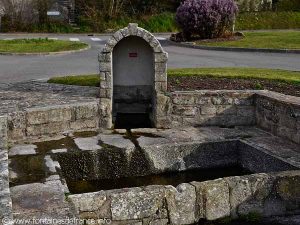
[206, 18]
[254, 5]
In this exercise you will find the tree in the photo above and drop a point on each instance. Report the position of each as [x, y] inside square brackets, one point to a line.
[18, 12]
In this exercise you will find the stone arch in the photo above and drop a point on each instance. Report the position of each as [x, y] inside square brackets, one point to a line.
[107, 74]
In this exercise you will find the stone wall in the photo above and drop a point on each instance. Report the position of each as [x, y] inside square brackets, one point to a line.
[264, 194]
[52, 120]
[279, 114]
[212, 108]
[5, 200]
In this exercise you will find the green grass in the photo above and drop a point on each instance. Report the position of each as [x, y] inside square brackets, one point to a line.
[38, 45]
[226, 72]
[81, 80]
[164, 22]
[273, 40]
[267, 20]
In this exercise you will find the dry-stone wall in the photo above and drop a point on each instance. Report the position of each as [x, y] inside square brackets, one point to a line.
[5, 200]
[53, 120]
[264, 194]
[212, 108]
[279, 114]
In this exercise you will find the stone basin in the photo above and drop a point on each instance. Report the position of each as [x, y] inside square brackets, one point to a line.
[161, 175]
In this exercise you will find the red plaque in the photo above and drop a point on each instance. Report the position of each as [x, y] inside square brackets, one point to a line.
[133, 55]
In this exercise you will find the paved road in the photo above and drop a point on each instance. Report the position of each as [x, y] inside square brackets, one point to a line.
[22, 68]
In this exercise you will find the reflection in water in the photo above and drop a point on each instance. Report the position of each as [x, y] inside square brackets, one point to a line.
[174, 179]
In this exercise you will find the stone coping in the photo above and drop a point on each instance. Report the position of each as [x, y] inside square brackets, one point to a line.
[33, 94]
[286, 99]
[264, 194]
[189, 202]
[266, 93]
[18, 96]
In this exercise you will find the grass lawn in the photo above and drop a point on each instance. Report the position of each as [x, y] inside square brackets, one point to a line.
[267, 20]
[241, 73]
[271, 40]
[38, 45]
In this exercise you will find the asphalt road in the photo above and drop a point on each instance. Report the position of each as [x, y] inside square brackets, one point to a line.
[23, 68]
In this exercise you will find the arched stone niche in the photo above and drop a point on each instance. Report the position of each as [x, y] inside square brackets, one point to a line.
[133, 72]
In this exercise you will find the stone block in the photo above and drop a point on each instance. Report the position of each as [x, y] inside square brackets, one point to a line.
[105, 84]
[163, 122]
[261, 186]
[287, 189]
[244, 101]
[84, 124]
[240, 192]
[105, 57]
[137, 203]
[125, 32]
[161, 77]
[163, 105]
[183, 99]
[16, 125]
[148, 36]
[88, 202]
[105, 93]
[140, 32]
[161, 86]
[107, 49]
[3, 131]
[212, 199]
[208, 110]
[159, 222]
[102, 76]
[156, 46]
[111, 42]
[185, 110]
[105, 107]
[118, 36]
[181, 204]
[22, 150]
[200, 100]
[222, 100]
[48, 128]
[160, 57]
[35, 198]
[106, 122]
[133, 28]
[88, 144]
[105, 67]
[116, 140]
[48, 115]
[160, 67]
[86, 111]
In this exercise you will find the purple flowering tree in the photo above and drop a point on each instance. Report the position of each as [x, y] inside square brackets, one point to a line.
[206, 18]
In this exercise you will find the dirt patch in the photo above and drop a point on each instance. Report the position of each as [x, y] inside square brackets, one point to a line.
[188, 83]
[230, 38]
[180, 37]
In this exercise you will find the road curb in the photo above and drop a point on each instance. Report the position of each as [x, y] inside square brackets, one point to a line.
[234, 49]
[46, 53]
